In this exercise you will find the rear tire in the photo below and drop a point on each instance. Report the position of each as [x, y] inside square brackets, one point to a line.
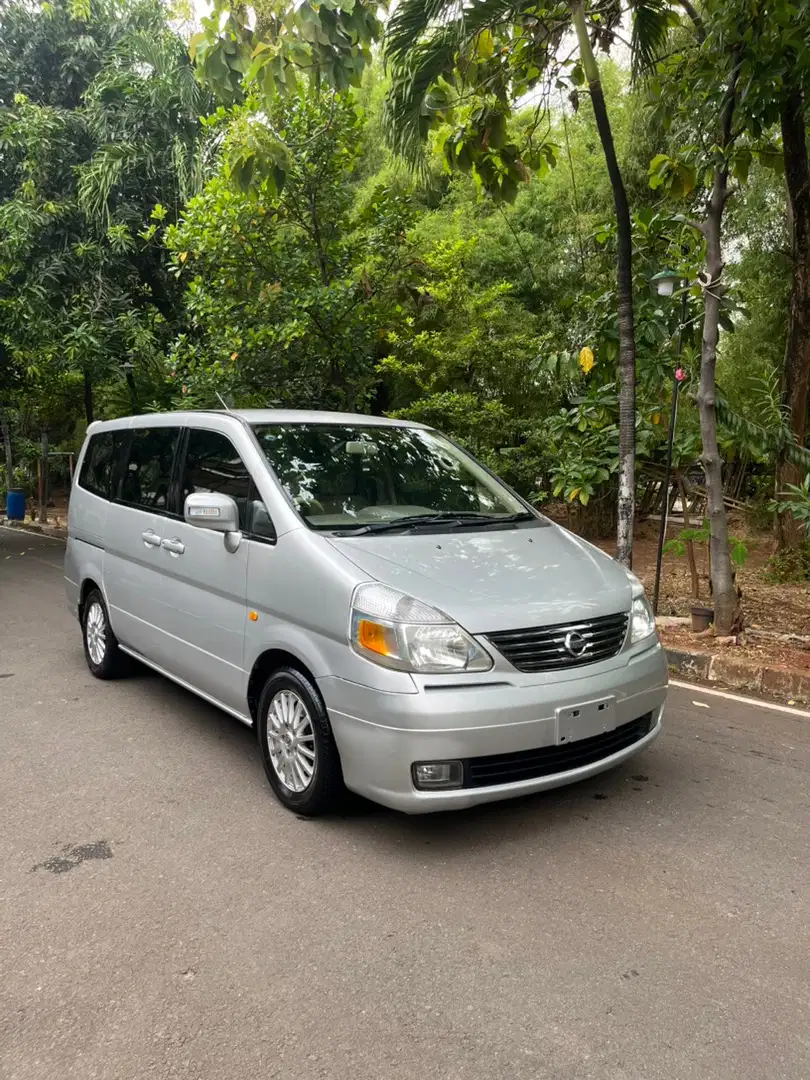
[297, 746]
[101, 649]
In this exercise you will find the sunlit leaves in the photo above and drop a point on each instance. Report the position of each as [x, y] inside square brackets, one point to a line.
[327, 42]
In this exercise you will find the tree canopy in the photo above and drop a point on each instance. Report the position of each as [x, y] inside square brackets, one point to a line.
[420, 214]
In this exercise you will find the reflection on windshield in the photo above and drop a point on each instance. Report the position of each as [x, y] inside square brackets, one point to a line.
[343, 477]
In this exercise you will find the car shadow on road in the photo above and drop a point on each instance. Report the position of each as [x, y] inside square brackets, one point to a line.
[635, 790]
[631, 792]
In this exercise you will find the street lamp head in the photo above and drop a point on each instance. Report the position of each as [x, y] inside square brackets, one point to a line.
[665, 282]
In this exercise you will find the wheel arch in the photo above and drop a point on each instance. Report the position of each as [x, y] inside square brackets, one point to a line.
[88, 585]
[266, 663]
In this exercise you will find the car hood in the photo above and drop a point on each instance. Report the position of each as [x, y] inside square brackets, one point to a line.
[498, 579]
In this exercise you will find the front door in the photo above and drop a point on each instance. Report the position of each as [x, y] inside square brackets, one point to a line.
[203, 605]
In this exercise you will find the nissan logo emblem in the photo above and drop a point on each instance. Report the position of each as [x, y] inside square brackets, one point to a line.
[575, 643]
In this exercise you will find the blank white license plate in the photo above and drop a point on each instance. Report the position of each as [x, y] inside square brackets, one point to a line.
[583, 721]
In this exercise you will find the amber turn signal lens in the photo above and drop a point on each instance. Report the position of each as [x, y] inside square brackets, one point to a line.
[375, 638]
[253, 616]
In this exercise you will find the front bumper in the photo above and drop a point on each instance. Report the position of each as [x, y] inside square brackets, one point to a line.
[380, 735]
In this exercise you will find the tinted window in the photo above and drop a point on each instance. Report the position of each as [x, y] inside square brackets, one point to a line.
[148, 473]
[213, 464]
[97, 465]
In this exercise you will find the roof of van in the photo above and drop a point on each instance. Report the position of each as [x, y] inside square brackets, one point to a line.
[257, 416]
[313, 416]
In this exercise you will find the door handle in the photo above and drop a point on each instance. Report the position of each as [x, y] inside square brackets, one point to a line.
[174, 546]
[150, 538]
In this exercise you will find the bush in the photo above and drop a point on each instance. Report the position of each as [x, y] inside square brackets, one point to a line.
[791, 565]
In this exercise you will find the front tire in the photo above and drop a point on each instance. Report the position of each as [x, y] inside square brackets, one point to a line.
[101, 649]
[297, 746]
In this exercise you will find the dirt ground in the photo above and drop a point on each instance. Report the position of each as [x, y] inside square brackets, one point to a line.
[783, 608]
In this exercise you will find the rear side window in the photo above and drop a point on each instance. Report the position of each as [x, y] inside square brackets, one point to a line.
[97, 466]
[147, 477]
[213, 464]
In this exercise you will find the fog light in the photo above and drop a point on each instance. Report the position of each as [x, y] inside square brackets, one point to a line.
[438, 774]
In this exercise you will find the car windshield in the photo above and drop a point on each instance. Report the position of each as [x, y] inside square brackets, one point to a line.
[360, 478]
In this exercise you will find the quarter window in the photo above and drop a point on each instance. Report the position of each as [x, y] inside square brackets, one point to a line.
[97, 465]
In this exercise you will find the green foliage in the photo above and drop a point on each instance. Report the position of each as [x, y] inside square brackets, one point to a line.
[795, 500]
[288, 289]
[470, 359]
[458, 71]
[84, 165]
[738, 549]
[265, 57]
[789, 565]
[278, 252]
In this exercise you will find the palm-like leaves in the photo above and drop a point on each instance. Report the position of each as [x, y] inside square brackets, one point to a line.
[652, 22]
[143, 109]
[430, 40]
[423, 42]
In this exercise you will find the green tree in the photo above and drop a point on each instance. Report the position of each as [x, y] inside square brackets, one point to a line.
[714, 101]
[441, 55]
[471, 360]
[111, 128]
[288, 286]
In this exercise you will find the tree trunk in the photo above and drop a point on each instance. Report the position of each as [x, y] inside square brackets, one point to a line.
[690, 544]
[796, 371]
[133, 392]
[43, 479]
[7, 448]
[624, 287]
[88, 396]
[723, 592]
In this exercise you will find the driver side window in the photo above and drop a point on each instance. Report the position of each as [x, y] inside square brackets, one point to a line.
[213, 463]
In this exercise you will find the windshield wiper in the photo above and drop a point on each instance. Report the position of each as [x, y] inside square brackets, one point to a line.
[448, 518]
[507, 519]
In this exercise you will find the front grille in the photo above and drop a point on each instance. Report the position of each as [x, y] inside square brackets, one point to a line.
[543, 648]
[548, 760]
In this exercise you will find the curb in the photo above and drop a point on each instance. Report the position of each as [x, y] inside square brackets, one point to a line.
[57, 531]
[792, 686]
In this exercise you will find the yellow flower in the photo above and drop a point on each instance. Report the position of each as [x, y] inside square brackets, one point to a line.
[586, 360]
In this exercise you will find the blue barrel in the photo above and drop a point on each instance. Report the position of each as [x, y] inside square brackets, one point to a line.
[15, 504]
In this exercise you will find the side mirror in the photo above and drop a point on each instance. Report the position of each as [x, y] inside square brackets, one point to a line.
[212, 510]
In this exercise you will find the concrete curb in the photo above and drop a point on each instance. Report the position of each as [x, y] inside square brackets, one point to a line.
[782, 683]
[58, 531]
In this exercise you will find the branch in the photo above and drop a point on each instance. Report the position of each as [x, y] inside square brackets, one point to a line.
[697, 21]
[731, 192]
[522, 250]
[727, 114]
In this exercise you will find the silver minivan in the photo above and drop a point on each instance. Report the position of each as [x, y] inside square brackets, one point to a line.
[387, 615]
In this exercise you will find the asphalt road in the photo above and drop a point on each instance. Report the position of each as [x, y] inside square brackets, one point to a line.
[162, 916]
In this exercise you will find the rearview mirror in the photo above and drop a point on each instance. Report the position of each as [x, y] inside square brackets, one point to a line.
[211, 510]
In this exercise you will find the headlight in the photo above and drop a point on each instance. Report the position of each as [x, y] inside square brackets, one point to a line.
[399, 632]
[642, 622]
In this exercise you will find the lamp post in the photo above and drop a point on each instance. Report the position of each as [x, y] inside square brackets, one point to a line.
[665, 283]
